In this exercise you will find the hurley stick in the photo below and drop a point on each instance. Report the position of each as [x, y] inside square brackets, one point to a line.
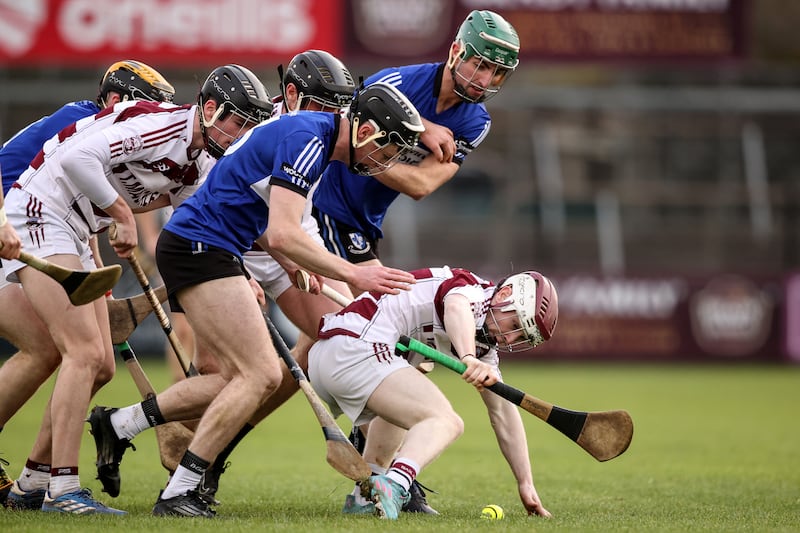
[304, 283]
[173, 437]
[125, 314]
[604, 435]
[341, 454]
[81, 286]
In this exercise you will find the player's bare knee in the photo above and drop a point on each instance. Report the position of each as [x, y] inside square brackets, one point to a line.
[105, 372]
[452, 423]
[274, 379]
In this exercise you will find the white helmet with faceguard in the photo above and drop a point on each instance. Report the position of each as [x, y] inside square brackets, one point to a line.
[534, 300]
[488, 37]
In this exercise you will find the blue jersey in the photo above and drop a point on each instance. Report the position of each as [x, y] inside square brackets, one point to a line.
[230, 210]
[362, 201]
[19, 150]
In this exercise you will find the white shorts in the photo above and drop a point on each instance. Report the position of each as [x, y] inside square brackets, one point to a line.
[268, 272]
[3, 281]
[345, 371]
[43, 233]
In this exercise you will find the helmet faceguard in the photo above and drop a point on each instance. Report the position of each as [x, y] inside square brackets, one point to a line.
[493, 42]
[534, 301]
[321, 78]
[237, 91]
[396, 128]
[134, 80]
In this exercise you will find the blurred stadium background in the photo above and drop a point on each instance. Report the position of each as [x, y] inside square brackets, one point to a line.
[644, 155]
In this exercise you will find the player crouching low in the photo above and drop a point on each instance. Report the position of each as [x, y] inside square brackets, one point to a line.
[355, 369]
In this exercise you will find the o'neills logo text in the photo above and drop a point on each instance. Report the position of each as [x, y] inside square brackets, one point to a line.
[89, 25]
[19, 24]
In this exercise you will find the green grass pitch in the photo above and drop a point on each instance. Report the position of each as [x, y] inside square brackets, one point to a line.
[715, 448]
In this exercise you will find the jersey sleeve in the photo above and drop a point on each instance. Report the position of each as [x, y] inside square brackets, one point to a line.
[85, 164]
[299, 161]
[472, 136]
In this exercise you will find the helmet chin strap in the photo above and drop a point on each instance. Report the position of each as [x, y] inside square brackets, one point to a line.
[212, 147]
[214, 117]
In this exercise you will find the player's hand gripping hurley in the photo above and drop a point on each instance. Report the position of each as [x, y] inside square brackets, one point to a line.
[604, 434]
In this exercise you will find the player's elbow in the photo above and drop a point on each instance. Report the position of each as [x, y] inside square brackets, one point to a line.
[278, 239]
[421, 191]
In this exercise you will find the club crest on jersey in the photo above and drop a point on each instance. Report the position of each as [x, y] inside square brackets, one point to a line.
[131, 145]
[359, 245]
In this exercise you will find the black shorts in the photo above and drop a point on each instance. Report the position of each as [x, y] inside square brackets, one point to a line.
[183, 263]
[345, 241]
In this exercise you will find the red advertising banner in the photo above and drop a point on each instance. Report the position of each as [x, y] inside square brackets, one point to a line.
[661, 319]
[626, 29]
[653, 30]
[165, 32]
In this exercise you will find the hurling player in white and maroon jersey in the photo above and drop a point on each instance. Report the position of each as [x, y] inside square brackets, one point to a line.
[38, 356]
[132, 156]
[353, 366]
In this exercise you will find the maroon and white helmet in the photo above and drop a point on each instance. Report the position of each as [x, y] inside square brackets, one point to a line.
[534, 299]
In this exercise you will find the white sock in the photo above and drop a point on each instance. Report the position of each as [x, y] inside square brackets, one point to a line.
[129, 421]
[63, 484]
[30, 480]
[403, 471]
[376, 469]
[181, 482]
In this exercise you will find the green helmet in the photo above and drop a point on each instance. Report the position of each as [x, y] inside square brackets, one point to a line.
[489, 36]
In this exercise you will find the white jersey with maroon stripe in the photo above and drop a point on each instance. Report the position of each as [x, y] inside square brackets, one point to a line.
[418, 312]
[137, 150]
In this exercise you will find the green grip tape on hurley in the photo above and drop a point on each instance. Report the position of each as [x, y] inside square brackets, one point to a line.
[406, 343]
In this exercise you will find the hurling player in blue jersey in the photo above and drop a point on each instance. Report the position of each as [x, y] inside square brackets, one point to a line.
[19, 324]
[257, 193]
[449, 96]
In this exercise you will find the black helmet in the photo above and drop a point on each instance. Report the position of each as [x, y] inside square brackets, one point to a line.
[237, 90]
[320, 77]
[134, 80]
[395, 118]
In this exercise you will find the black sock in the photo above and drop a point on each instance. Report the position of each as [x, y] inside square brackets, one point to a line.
[223, 455]
[358, 439]
[193, 463]
[152, 412]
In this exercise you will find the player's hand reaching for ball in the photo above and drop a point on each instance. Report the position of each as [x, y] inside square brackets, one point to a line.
[530, 499]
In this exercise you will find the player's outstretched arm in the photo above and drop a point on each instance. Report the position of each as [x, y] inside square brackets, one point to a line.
[510, 433]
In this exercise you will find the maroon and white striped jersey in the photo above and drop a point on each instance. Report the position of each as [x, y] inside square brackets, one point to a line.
[417, 312]
[137, 150]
